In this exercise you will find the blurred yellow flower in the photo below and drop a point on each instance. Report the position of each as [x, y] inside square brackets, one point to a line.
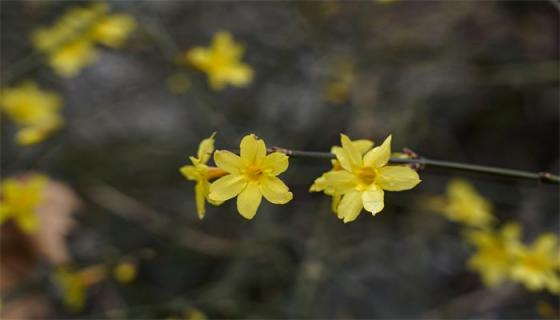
[321, 184]
[363, 178]
[221, 62]
[464, 204]
[125, 272]
[538, 266]
[200, 172]
[74, 284]
[70, 42]
[35, 111]
[495, 252]
[251, 176]
[19, 201]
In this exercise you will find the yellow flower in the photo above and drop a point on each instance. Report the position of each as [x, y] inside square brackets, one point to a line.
[35, 111]
[74, 284]
[363, 178]
[322, 184]
[125, 272]
[464, 204]
[200, 172]
[251, 176]
[70, 42]
[495, 252]
[221, 62]
[20, 199]
[537, 266]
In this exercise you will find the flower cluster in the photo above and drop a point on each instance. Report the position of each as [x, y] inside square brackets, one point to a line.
[500, 254]
[221, 62]
[70, 42]
[360, 175]
[33, 110]
[248, 176]
[20, 199]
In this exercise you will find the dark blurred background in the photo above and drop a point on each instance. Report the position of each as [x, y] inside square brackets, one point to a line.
[468, 81]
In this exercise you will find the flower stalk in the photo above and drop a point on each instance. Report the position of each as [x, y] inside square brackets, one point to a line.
[421, 162]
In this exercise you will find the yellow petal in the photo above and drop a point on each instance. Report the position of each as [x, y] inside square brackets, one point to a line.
[228, 161]
[198, 57]
[341, 181]
[335, 202]
[276, 163]
[319, 184]
[373, 199]
[252, 149]
[362, 145]
[206, 148]
[350, 206]
[201, 192]
[223, 45]
[227, 187]
[343, 159]
[352, 153]
[274, 190]
[113, 30]
[189, 172]
[511, 232]
[249, 200]
[379, 156]
[240, 75]
[396, 178]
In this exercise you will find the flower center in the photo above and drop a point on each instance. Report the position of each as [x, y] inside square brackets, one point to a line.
[366, 175]
[253, 172]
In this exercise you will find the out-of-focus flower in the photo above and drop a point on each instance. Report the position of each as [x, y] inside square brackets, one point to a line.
[20, 199]
[178, 83]
[495, 252]
[74, 284]
[221, 62]
[463, 204]
[70, 42]
[321, 184]
[251, 176]
[363, 179]
[200, 172]
[125, 272]
[339, 87]
[538, 266]
[33, 110]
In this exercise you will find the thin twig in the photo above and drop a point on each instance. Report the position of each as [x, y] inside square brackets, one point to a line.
[421, 162]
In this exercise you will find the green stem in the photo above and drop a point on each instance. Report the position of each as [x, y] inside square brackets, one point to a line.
[421, 162]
